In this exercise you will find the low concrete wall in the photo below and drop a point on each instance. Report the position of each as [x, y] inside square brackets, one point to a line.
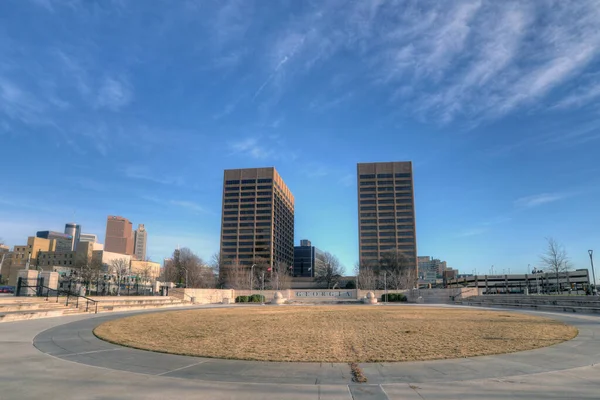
[581, 304]
[207, 296]
[203, 296]
[440, 296]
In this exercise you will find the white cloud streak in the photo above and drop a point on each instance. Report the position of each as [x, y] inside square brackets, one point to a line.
[539, 199]
[144, 173]
[251, 147]
[114, 94]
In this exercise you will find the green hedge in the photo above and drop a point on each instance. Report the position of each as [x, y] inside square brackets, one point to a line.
[255, 298]
[393, 297]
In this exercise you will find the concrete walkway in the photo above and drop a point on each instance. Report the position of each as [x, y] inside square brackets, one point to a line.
[60, 357]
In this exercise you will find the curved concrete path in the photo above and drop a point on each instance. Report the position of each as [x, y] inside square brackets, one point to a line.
[59, 357]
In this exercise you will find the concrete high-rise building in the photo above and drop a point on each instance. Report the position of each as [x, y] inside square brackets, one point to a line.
[119, 235]
[88, 237]
[430, 268]
[258, 218]
[386, 211]
[74, 230]
[306, 259]
[64, 242]
[140, 238]
[25, 256]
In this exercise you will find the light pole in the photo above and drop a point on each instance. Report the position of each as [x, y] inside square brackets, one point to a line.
[262, 299]
[385, 285]
[251, 277]
[591, 253]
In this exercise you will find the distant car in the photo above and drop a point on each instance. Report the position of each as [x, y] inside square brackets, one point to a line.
[7, 289]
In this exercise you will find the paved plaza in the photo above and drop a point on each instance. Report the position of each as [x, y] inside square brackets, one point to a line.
[61, 358]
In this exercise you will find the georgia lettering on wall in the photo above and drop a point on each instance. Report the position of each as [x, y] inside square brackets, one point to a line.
[323, 293]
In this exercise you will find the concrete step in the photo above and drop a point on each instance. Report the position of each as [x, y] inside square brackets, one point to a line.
[539, 307]
[28, 307]
[126, 307]
[32, 314]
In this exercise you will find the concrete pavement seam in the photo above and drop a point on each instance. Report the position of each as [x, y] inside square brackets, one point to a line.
[179, 369]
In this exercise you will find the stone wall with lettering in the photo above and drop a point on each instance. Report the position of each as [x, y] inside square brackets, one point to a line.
[323, 294]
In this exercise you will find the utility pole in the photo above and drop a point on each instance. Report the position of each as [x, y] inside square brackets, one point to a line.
[251, 277]
[591, 253]
[385, 285]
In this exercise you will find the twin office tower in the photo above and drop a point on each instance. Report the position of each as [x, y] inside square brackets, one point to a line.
[258, 214]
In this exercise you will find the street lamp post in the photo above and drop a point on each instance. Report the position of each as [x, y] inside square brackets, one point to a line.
[262, 299]
[591, 253]
[385, 285]
[251, 277]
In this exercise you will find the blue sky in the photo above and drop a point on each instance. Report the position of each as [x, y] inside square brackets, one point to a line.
[134, 108]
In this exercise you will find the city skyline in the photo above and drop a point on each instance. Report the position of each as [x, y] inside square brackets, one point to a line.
[494, 103]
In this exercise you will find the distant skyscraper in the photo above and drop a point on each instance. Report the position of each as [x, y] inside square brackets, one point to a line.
[306, 257]
[119, 235]
[88, 237]
[258, 217]
[386, 212]
[64, 242]
[141, 236]
[74, 230]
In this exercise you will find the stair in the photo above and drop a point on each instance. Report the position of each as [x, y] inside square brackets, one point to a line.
[24, 308]
[575, 304]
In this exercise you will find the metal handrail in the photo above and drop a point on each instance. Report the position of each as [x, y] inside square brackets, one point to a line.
[69, 294]
[87, 302]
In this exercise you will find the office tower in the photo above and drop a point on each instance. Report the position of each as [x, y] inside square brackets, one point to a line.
[74, 230]
[119, 235]
[88, 237]
[64, 242]
[141, 237]
[306, 259]
[386, 212]
[258, 218]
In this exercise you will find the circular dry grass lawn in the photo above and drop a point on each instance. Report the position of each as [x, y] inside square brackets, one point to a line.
[335, 333]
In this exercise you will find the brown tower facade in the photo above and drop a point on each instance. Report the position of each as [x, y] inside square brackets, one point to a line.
[119, 235]
[258, 217]
[386, 211]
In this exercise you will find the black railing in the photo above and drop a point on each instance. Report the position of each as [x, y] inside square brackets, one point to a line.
[39, 292]
[87, 302]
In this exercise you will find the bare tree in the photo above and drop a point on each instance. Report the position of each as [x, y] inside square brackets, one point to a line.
[366, 277]
[555, 259]
[89, 269]
[188, 269]
[215, 263]
[120, 268]
[329, 270]
[280, 277]
[399, 273]
[235, 275]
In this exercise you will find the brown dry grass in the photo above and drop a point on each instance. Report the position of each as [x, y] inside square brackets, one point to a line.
[336, 333]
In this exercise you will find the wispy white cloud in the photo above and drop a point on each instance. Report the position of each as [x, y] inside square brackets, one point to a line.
[473, 60]
[144, 173]
[251, 147]
[90, 184]
[540, 199]
[190, 205]
[322, 105]
[114, 94]
[20, 105]
[484, 226]
[348, 180]
[584, 94]
[472, 232]
[186, 204]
